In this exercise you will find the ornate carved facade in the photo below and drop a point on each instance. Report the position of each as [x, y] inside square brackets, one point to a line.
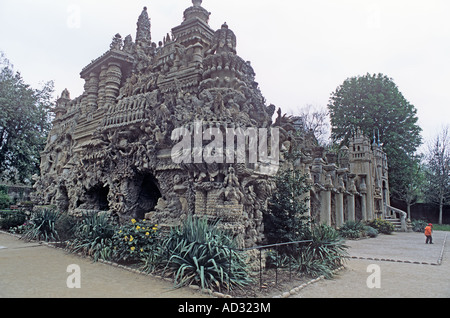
[110, 149]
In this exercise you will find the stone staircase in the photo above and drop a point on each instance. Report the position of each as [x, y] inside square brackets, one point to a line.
[396, 222]
[399, 219]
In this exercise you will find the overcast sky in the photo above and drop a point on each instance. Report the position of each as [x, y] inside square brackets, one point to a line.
[301, 50]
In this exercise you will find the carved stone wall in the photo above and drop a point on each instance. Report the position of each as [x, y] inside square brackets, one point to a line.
[110, 148]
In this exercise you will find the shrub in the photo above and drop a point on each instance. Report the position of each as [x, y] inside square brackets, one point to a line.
[134, 241]
[277, 258]
[10, 219]
[5, 200]
[418, 225]
[382, 226]
[42, 226]
[65, 226]
[352, 229]
[370, 231]
[200, 253]
[20, 229]
[93, 237]
[326, 253]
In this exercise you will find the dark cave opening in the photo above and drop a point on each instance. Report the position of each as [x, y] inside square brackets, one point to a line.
[148, 197]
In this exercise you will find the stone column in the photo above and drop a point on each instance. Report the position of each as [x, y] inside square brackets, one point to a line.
[113, 81]
[325, 207]
[92, 91]
[198, 50]
[364, 206]
[351, 207]
[339, 209]
[363, 191]
[351, 198]
[102, 86]
[325, 210]
[339, 198]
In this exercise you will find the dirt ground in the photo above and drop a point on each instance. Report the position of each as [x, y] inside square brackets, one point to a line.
[34, 270]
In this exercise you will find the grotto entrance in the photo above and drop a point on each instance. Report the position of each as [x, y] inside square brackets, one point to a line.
[95, 199]
[146, 194]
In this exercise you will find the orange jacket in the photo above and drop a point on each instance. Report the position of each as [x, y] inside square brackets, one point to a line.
[428, 230]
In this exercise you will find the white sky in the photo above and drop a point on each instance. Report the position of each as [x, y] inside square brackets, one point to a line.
[301, 50]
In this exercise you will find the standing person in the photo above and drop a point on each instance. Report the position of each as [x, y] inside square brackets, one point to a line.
[428, 232]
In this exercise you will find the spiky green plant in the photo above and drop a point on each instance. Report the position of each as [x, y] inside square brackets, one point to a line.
[93, 237]
[42, 226]
[325, 253]
[352, 229]
[201, 253]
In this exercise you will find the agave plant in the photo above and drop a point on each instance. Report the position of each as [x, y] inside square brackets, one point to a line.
[93, 237]
[326, 252]
[42, 226]
[202, 254]
[352, 229]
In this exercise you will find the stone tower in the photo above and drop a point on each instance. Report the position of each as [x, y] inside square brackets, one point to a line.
[110, 149]
[369, 164]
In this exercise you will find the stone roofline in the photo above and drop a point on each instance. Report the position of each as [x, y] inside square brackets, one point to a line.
[112, 55]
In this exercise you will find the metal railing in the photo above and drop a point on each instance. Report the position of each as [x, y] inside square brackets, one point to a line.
[261, 248]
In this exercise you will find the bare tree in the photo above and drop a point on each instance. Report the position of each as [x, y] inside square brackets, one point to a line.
[438, 170]
[317, 121]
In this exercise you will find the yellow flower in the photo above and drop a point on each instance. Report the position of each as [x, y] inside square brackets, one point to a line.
[138, 227]
[126, 238]
[147, 233]
[131, 238]
[120, 231]
[142, 249]
[133, 221]
[154, 228]
[133, 248]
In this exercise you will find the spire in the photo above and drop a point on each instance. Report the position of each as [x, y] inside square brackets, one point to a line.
[143, 33]
[224, 40]
[196, 11]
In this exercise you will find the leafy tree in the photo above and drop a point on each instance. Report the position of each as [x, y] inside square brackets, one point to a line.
[375, 104]
[410, 183]
[24, 124]
[5, 200]
[438, 171]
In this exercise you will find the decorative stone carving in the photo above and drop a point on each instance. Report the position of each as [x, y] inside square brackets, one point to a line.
[110, 148]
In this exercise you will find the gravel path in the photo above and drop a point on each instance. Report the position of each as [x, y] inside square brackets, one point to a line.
[405, 266]
[38, 271]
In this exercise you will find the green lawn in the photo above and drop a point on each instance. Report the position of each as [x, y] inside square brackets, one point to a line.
[443, 227]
